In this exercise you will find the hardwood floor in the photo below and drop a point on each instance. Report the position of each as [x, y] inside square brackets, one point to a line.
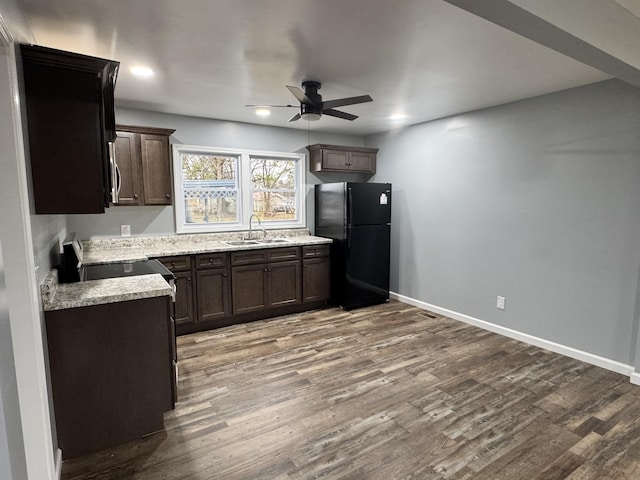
[388, 392]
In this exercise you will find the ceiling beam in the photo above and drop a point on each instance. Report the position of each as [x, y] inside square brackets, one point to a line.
[524, 23]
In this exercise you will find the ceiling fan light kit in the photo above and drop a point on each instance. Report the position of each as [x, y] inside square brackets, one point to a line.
[312, 107]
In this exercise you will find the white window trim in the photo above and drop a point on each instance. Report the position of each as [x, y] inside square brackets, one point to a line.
[244, 185]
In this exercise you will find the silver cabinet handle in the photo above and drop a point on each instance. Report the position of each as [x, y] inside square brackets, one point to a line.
[115, 174]
[119, 178]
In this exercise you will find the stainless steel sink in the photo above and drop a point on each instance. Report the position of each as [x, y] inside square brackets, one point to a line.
[274, 240]
[237, 243]
[266, 241]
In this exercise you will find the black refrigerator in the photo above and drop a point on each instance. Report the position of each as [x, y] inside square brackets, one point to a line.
[357, 216]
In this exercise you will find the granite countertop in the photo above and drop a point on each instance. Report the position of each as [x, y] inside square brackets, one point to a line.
[60, 296]
[143, 248]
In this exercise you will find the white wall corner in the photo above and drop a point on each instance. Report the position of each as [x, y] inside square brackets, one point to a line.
[21, 282]
[58, 461]
[581, 355]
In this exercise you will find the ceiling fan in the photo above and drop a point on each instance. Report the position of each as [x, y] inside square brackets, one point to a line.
[312, 107]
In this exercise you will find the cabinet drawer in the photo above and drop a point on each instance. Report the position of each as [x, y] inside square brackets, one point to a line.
[176, 264]
[248, 256]
[210, 260]
[280, 254]
[311, 251]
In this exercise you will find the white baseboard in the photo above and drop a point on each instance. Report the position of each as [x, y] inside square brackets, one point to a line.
[58, 464]
[635, 378]
[587, 357]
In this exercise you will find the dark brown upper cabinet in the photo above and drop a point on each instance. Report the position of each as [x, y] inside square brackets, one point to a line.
[335, 158]
[144, 165]
[70, 120]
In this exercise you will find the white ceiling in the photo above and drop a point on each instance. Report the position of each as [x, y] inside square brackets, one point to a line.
[427, 58]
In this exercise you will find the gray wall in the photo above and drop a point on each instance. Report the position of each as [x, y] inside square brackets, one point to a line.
[537, 201]
[48, 232]
[27, 424]
[12, 460]
[207, 132]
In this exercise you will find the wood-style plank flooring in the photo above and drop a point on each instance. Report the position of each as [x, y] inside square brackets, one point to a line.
[389, 392]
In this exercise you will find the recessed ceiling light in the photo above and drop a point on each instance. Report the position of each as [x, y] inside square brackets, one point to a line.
[141, 71]
[263, 112]
[398, 116]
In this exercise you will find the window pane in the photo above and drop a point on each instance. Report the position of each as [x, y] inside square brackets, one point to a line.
[210, 188]
[273, 185]
[272, 173]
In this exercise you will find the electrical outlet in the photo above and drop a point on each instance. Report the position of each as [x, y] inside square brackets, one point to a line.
[125, 230]
[500, 302]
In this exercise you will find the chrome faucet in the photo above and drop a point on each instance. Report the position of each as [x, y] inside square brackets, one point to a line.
[264, 232]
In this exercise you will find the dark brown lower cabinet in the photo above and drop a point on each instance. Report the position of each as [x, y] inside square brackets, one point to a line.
[249, 288]
[315, 281]
[265, 279]
[184, 298]
[219, 289]
[111, 372]
[283, 284]
[182, 267]
[212, 287]
[263, 286]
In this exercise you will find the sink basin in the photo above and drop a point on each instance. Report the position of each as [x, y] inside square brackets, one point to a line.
[274, 240]
[236, 243]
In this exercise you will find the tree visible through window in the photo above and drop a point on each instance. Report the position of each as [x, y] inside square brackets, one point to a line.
[219, 189]
[210, 188]
[273, 188]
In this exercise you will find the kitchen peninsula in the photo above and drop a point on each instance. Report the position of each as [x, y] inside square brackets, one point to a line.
[119, 331]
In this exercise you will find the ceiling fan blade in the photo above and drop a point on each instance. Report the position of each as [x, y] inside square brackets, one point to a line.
[273, 106]
[337, 113]
[341, 102]
[300, 95]
[294, 118]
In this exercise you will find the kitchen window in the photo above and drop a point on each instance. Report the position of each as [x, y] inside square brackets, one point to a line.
[219, 189]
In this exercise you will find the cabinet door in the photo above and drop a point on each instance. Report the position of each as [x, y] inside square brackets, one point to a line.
[212, 292]
[284, 283]
[128, 161]
[65, 113]
[362, 162]
[122, 351]
[315, 279]
[156, 169]
[334, 160]
[184, 298]
[248, 284]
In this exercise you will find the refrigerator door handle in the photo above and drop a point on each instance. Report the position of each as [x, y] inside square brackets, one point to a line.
[350, 203]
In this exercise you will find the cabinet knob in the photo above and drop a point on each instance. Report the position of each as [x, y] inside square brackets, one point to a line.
[224, 274]
[167, 195]
[188, 279]
[211, 260]
[135, 195]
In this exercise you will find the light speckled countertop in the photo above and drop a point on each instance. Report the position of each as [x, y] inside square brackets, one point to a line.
[142, 248]
[57, 296]
[95, 292]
